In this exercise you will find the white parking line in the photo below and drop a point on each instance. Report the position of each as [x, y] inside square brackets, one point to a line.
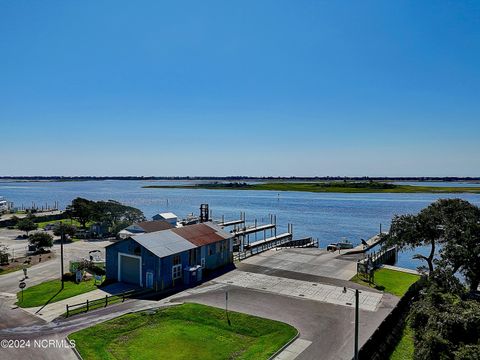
[301, 289]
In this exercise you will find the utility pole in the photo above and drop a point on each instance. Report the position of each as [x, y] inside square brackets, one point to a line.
[356, 323]
[61, 253]
[357, 302]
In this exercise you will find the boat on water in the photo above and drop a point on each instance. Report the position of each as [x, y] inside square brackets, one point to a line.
[4, 205]
[344, 244]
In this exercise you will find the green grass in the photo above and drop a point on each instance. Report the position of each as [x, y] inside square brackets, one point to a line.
[188, 331]
[11, 269]
[40, 294]
[391, 281]
[66, 221]
[337, 187]
[404, 349]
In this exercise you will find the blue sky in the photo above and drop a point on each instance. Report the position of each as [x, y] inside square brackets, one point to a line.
[379, 88]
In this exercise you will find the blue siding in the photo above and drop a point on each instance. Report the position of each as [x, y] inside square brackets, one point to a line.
[161, 268]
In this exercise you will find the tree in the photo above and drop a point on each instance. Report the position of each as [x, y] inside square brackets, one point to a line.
[3, 254]
[445, 325]
[112, 212]
[461, 245]
[453, 223]
[81, 210]
[26, 225]
[411, 231]
[41, 240]
[62, 229]
[14, 220]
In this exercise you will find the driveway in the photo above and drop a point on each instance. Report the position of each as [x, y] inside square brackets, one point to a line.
[329, 327]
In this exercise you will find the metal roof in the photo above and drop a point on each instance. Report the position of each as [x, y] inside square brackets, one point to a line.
[173, 241]
[202, 234]
[163, 243]
[167, 215]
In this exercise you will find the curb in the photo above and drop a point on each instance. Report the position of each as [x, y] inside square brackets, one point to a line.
[75, 351]
[284, 346]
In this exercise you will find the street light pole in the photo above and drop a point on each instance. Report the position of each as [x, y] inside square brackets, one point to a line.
[356, 322]
[357, 304]
[61, 255]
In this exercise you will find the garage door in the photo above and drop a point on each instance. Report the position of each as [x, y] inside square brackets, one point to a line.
[129, 270]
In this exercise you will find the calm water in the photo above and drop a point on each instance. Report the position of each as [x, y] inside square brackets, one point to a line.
[326, 216]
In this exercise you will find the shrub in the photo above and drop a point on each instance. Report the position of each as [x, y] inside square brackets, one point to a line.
[41, 240]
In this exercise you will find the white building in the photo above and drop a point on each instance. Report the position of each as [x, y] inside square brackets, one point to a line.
[168, 217]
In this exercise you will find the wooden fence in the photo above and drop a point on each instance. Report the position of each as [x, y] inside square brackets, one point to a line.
[102, 302]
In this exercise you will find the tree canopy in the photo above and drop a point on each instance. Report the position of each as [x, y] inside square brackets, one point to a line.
[111, 213]
[446, 324]
[62, 229]
[26, 225]
[449, 226]
[81, 210]
[41, 240]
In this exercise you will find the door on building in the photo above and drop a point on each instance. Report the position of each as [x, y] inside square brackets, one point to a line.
[130, 269]
[149, 280]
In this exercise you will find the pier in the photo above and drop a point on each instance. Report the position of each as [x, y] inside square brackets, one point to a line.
[377, 259]
[372, 242]
[253, 229]
[308, 242]
[233, 223]
[262, 245]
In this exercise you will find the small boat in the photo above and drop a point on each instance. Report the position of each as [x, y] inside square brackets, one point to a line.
[4, 205]
[344, 244]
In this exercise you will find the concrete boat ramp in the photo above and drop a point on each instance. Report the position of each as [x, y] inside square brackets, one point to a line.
[304, 288]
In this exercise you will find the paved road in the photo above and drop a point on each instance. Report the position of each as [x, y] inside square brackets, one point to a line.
[50, 269]
[329, 327]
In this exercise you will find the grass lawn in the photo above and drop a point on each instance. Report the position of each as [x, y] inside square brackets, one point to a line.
[38, 295]
[188, 331]
[66, 221]
[404, 349]
[391, 281]
[336, 187]
[11, 269]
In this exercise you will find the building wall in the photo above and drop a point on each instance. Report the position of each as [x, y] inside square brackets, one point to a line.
[161, 268]
[217, 255]
[130, 247]
[164, 275]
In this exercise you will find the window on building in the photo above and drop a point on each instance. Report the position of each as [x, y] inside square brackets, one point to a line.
[176, 271]
[211, 249]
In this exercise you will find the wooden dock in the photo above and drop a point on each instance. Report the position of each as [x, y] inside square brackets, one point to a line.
[253, 229]
[300, 243]
[377, 259]
[262, 245]
[231, 223]
[372, 242]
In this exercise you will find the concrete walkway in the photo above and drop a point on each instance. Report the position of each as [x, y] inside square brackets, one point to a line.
[397, 268]
[308, 261]
[369, 301]
[53, 310]
[293, 350]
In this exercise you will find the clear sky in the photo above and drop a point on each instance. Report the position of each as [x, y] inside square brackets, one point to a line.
[256, 87]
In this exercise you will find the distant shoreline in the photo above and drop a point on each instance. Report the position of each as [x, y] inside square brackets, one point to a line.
[332, 186]
[269, 179]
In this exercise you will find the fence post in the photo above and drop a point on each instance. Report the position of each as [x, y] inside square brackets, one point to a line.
[87, 305]
[67, 310]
